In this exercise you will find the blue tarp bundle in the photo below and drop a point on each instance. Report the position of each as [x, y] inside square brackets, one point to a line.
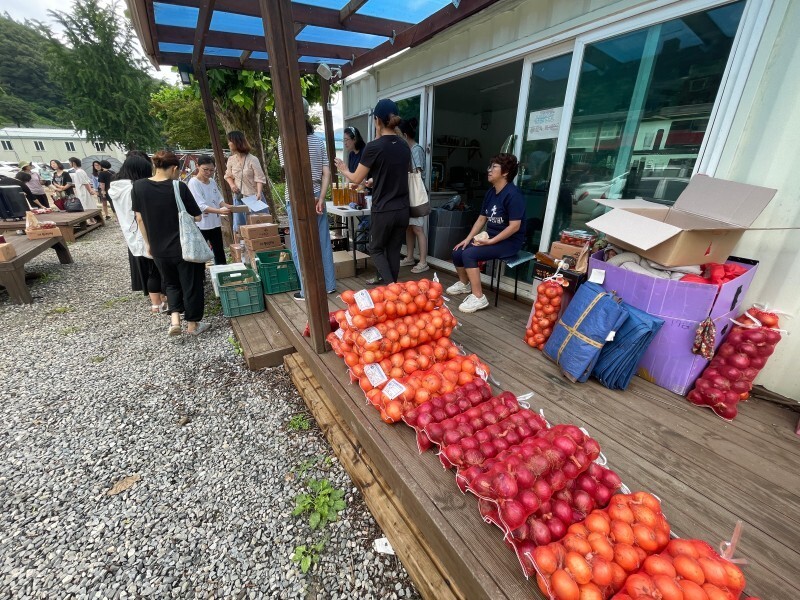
[581, 332]
[619, 357]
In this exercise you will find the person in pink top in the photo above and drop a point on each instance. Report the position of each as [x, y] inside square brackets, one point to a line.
[243, 174]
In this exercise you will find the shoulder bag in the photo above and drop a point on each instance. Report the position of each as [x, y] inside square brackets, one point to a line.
[419, 203]
[194, 247]
[73, 204]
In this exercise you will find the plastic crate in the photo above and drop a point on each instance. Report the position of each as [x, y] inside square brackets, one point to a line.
[239, 297]
[276, 276]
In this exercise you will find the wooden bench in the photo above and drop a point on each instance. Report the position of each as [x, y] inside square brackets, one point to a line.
[263, 343]
[72, 224]
[12, 272]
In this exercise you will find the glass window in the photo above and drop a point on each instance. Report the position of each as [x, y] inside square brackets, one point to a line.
[641, 112]
[38, 145]
[100, 147]
[70, 146]
[7, 145]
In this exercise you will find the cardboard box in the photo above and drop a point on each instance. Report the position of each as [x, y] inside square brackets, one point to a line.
[265, 243]
[258, 219]
[7, 252]
[236, 253]
[343, 263]
[41, 234]
[668, 361]
[703, 226]
[262, 230]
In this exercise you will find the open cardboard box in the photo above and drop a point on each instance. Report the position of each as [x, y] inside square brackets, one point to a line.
[703, 226]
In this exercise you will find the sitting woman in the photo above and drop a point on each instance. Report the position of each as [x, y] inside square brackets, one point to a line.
[503, 214]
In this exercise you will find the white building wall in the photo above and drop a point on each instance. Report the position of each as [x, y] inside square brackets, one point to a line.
[761, 149]
[23, 147]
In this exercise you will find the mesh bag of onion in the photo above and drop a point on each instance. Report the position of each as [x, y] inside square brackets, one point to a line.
[549, 297]
[729, 376]
[445, 406]
[366, 308]
[597, 555]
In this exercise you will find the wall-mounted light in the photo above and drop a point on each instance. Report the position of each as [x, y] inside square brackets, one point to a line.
[185, 72]
[326, 72]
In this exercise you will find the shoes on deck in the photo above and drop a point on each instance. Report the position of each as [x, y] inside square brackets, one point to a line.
[408, 261]
[459, 288]
[473, 304]
[420, 268]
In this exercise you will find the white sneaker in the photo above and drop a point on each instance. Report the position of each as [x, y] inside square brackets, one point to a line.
[408, 261]
[472, 304]
[420, 268]
[459, 288]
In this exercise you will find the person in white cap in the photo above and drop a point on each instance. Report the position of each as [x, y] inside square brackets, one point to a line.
[38, 193]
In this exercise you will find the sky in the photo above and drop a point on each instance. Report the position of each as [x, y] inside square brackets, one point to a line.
[38, 9]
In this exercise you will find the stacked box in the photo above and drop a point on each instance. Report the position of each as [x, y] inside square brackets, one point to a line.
[258, 219]
[261, 236]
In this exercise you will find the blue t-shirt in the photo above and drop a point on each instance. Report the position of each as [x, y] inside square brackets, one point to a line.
[500, 209]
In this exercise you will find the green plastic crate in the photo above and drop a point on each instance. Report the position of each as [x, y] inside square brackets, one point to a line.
[239, 297]
[276, 276]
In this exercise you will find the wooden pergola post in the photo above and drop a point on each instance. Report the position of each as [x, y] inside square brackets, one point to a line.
[327, 120]
[285, 73]
[219, 157]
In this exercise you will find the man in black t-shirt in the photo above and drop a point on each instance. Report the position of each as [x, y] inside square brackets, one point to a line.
[104, 183]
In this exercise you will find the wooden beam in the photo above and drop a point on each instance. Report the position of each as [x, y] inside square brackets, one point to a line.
[350, 9]
[414, 36]
[201, 31]
[228, 62]
[245, 55]
[279, 34]
[307, 14]
[219, 155]
[327, 120]
[242, 42]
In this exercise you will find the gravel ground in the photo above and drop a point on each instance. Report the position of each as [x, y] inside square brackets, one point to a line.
[93, 391]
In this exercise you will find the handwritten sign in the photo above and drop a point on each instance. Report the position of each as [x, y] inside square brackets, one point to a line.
[544, 124]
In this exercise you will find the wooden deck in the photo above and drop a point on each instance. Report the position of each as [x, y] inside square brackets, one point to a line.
[263, 343]
[709, 473]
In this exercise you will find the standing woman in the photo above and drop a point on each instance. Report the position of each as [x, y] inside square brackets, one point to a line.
[386, 161]
[145, 276]
[209, 199]
[320, 180]
[155, 204]
[243, 174]
[416, 225]
[104, 177]
[35, 185]
[62, 181]
[354, 144]
[83, 186]
[95, 175]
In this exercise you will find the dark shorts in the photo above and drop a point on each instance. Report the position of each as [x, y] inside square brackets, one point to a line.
[470, 256]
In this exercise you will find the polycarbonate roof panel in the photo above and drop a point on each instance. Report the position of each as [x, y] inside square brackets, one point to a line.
[233, 23]
[339, 37]
[335, 4]
[410, 11]
[178, 16]
[319, 59]
[170, 47]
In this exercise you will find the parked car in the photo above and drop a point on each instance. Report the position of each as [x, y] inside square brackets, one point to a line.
[7, 168]
[662, 190]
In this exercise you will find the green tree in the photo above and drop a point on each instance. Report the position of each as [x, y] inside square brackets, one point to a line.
[105, 81]
[180, 112]
[16, 111]
[243, 101]
[25, 73]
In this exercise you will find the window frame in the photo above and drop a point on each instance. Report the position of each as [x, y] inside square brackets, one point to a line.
[70, 146]
[38, 145]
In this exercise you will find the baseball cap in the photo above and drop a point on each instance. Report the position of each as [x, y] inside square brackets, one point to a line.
[384, 108]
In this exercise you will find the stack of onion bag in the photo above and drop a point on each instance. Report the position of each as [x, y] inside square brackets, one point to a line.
[583, 329]
[619, 358]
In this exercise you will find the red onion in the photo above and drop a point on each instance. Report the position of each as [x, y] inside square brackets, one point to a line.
[512, 437]
[529, 500]
[482, 484]
[611, 480]
[488, 448]
[542, 489]
[755, 336]
[747, 348]
[583, 502]
[540, 533]
[463, 405]
[557, 528]
[501, 444]
[512, 513]
[435, 431]
[482, 436]
[505, 486]
[740, 361]
[562, 511]
[454, 454]
[602, 495]
[520, 533]
[490, 417]
[469, 443]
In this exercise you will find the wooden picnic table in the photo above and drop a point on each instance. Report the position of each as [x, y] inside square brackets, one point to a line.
[67, 222]
[12, 272]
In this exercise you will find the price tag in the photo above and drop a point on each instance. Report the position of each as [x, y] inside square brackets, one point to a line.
[393, 389]
[364, 300]
[598, 276]
[375, 374]
[371, 335]
[348, 317]
[481, 373]
[339, 333]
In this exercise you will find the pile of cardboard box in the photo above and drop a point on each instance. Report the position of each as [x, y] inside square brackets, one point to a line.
[258, 235]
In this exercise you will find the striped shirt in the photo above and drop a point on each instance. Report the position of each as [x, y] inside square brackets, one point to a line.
[319, 158]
